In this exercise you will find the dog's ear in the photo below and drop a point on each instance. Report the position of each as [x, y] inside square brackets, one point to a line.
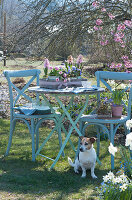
[93, 139]
[81, 137]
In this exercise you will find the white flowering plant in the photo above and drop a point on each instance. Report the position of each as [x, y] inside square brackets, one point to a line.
[115, 187]
[125, 151]
[66, 70]
[117, 92]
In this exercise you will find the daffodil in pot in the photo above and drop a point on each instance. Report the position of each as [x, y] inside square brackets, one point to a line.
[117, 107]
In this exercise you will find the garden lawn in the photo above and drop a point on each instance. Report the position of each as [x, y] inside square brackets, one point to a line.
[21, 179]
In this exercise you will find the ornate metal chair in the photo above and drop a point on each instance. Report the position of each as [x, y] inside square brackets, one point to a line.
[108, 124]
[32, 117]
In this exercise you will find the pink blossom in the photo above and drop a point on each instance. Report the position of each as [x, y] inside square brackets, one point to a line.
[111, 16]
[123, 45]
[95, 4]
[103, 9]
[128, 23]
[99, 22]
[51, 67]
[121, 27]
[106, 42]
[128, 64]
[56, 68]
[65, 80]
[103, 37]
[57, 79]
[117, 38]
[65, 75]
[60, 72]
[96, 28]
[119, 65]
[70, 59]
[100, 28]
[121, 34]
[129, 72]
[102, 43]
[112, 65]
[124, 57]
[112, 32]
[46, 63]
[79, 59]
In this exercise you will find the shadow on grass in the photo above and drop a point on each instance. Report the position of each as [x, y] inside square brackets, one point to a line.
[24, 176]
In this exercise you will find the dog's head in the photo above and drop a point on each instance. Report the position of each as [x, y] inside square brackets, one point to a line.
[86, 143]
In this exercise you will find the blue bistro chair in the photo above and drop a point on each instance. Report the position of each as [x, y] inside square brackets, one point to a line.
[108, 124]
[36, 116]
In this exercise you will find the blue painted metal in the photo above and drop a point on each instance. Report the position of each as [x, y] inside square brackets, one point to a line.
[65, 115]
[36, 120]
[103, 76]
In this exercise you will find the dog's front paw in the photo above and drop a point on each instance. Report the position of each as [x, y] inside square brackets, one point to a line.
[94, 176]
[76, 171]
[83, 176]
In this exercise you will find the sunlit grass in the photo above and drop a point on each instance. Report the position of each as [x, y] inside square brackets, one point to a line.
[20, 178]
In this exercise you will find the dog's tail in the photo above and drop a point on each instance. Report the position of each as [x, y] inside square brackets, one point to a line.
[70, 162]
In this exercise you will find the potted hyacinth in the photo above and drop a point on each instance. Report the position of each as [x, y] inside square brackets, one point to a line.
[63, 74]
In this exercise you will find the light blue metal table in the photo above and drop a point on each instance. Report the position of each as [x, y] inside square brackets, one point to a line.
[70, 93]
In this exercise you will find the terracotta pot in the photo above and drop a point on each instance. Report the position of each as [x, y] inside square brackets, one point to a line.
[116, 110]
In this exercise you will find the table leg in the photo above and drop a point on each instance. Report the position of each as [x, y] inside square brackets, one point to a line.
[73, 123]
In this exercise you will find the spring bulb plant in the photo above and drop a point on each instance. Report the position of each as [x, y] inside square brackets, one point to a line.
[117, 93]
[66, 70]
[119, 186]
[117, 96]
[115, 187]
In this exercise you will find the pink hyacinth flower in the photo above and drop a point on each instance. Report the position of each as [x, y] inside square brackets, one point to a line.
[51, 67]
[79, 59]
[46, 63]
[99, 22]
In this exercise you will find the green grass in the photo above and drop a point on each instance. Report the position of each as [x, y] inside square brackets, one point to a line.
[21, 179]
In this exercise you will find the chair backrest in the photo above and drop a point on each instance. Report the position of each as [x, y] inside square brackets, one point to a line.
[104, 76]
[31, 75]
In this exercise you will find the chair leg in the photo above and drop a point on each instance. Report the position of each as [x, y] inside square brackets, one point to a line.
[37, 137]
[60, 138]
[112, 141]
[12, 127]
[82, 132]
[98, 140]
[33, 142]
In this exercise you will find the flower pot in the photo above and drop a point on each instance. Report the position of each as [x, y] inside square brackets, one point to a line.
[116, 110]
[52, 78]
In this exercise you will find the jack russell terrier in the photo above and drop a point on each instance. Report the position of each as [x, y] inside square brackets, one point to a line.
[86, 157]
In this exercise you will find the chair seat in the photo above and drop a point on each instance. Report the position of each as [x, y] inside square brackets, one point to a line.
[104, 119]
